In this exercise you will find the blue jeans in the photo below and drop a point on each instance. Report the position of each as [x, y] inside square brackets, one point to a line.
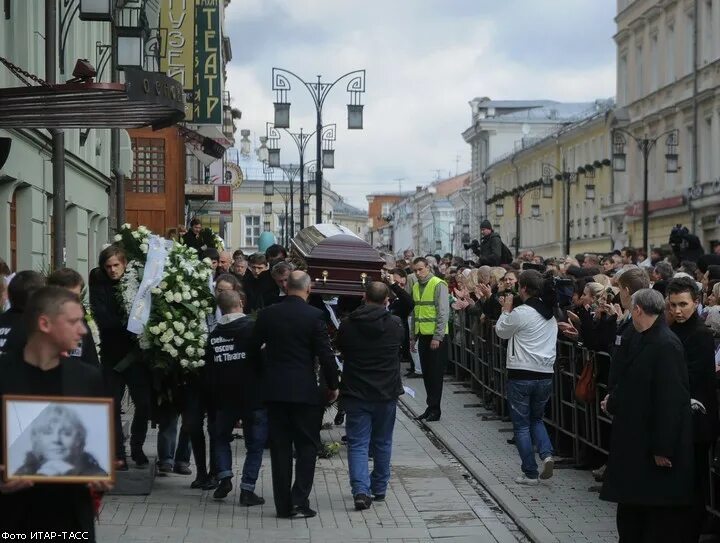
[172, 450]
[255, 431]
[527, 400]
[369, 425]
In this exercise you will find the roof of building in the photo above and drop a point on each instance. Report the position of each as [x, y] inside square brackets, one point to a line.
[343, 208]
[538, 111]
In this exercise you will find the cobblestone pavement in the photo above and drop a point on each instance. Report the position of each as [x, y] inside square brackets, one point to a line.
[561, 509]
[431, 498]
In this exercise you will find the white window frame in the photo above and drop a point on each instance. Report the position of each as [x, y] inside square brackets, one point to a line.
[251, 225]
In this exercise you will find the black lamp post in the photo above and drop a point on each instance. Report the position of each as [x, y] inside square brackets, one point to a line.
[645, 145]
[550, 174]
[319, 91]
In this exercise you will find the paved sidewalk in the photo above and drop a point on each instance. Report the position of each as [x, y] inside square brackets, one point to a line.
[561, 509]
[431, 498]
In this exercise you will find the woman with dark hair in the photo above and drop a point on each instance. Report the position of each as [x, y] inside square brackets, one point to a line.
[12, 328]
[192, 237]
[119, 354]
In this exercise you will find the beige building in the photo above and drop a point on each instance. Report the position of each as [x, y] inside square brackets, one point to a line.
[528, 203]
[668, 75]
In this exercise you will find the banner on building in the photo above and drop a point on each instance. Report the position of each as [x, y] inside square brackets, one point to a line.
[177, 19]
[208, 107]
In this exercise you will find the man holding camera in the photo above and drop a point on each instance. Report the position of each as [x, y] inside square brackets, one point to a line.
[489, 249]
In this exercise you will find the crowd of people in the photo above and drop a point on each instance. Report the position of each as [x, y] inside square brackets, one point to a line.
[272, 367]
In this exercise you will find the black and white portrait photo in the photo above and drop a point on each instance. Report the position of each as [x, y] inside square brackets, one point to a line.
[58, 439]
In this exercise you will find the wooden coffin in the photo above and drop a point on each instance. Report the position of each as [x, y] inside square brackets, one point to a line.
[338, 262]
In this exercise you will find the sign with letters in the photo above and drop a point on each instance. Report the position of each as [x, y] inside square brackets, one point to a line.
[208, 69]
[177, 18]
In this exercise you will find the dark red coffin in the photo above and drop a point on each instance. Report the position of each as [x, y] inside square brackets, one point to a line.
[339, 262]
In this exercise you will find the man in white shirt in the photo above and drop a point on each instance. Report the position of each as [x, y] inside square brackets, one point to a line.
[531, 330]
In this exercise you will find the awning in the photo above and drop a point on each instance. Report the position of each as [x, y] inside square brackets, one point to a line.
[145, 99]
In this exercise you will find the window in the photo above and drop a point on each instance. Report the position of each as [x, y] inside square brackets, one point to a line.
[386, 209]
[689, 46]
[653, 63]
[148, 166]
[640, 73]
[707, 155]
[707, 33]
[670, 55]
[622, 81]
[252, 230]
[687, 162]
[13, 232]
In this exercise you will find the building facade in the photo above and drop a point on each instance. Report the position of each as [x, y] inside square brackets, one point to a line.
[26, 189]
[379, 207]
[668, 60]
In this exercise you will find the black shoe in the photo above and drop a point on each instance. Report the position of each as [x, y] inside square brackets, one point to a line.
[302, 511]
[139, 458]
[223, 489]
[362, 502]
[511, 441]
[200, 482]
[410, 373]
[432, 417]
[164, 469]
[248, 498]
[379, 497]
[182, 470]
[121, 465]
[425, 415]
[211, 483]
[414, 375]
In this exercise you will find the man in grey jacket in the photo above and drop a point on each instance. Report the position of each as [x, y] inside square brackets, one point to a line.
[429, 331]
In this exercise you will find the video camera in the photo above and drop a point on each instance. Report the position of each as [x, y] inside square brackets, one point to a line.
[473, 246]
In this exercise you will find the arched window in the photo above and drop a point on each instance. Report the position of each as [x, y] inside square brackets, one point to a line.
[13, 232]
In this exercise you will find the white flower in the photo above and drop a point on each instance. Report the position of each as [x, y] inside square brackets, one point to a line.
[144, 247]
[154, 330]
[201, 352]
[136, 234]
[177, 297]
[190, 351]
[185, 288]
[179, 279]
[126, 226]
[203, 303]
[184, 363]
[117, 237]
[156, 291]
[162, 326]
[180, 327]
[162, 285]
[178, 340]
[168, 296]
[186, 296]
[196, 303]
[143, 229]
[207, 261]
[168, 315]
[172, 352]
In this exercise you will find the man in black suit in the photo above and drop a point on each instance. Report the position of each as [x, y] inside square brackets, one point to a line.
[295, 334]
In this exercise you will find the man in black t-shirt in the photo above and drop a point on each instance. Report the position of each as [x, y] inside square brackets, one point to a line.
[12, 329]
[54, 321]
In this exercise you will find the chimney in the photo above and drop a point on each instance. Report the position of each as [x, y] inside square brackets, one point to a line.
[418, 188]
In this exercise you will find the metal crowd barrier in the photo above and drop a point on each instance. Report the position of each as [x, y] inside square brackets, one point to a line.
[478, 354]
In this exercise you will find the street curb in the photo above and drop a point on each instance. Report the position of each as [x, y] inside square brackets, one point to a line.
[521, 515]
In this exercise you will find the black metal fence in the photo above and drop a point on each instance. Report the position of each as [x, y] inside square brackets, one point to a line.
[478, 354]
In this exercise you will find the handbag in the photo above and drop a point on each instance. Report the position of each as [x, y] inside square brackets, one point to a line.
[585, 386]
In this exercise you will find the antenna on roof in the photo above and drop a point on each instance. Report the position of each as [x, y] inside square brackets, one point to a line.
[399, 182]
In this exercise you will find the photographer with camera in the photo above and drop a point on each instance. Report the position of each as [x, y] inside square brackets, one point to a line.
[490, 250]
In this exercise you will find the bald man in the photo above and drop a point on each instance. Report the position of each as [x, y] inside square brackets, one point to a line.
[226, 260]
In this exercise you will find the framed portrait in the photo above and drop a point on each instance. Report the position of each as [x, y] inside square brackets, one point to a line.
[53, 439]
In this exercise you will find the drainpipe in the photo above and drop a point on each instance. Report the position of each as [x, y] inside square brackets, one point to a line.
[696, 59]
[58, 141]
[516, 202]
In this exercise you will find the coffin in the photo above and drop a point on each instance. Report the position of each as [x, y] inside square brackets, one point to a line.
[338, 262]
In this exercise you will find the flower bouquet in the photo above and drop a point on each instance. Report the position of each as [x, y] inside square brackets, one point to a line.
[174, 336]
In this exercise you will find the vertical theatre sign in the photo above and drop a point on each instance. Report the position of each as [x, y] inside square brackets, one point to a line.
[208, 63]
[177, 17]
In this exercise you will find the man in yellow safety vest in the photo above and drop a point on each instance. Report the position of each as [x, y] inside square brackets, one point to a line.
[428, 332]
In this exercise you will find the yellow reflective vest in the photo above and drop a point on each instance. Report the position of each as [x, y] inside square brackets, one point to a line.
[425, 312]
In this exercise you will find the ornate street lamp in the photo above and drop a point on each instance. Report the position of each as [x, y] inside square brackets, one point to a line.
[268, 188]
[671, 156]
[282, 114]
[499, 209]
[355, 116]
[267, 208]
[618, 156]
[274, 158]
[245, 145]
[262, 151]
[328, 158]
[547, 187]
[535, 210]
[96, 10]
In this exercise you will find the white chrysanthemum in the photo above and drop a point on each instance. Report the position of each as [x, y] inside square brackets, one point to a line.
[180, 327]
[162, 326]
[201, 352]
[177, 297]
[168, 297]
[186, 296]
[190, 351]
[196, 303]
[178, 340]
[184, 363]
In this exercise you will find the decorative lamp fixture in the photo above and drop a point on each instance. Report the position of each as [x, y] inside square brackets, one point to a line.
[268, 188]
[274, 158]
[535, 210]
[96, 10]
[618, 157]
[282, 114]
[499, 209]
[355, 116]
[590, 191]
[130, 42]
[328, 158]
[262, 151]
[267, 208]
[589, 171]
[547, 187]
[245, 144]
[671, 156]
[466, 228]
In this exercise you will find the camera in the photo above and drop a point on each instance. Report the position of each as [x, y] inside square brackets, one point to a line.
[473, 246]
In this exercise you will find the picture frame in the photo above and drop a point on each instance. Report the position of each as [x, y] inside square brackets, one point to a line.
[58, 439]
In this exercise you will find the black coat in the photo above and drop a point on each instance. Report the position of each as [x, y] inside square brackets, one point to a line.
[191, 240]
[699, 345]
[490, 251]
[369, 340]
[402, 305]
[115, 341]
[295, 334]
[650, 405]
[13, 335]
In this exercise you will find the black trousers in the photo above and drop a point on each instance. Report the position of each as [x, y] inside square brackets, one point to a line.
[433, 364]
[293, 425]
[137, 379]
[698, 513]
[645, 524]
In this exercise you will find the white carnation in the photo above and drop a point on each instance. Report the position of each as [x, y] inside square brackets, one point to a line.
[154, 330]
[201, 352]
[190, 351]
[184, 363]
[162, 326]
[117, 237]
[178, 340]
[136, 235]
[168, 297]
[194, 293]
[156, 291]
[178, 297]
[180, 327]
[126, 226]
[207, 261]
[186, 296]
[162, 285]
[196, 303]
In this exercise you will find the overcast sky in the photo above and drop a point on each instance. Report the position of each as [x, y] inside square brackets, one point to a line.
[425, 59]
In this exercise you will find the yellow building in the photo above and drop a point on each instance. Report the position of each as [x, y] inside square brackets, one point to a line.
[527, 190]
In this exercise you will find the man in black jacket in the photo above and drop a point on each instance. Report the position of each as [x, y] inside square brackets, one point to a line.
[370, 340]
[402, 305]
[120, 364]
[295, 334]
[192, 237]
[12, 327]
[234, 378]
[650, 467]
[699, 346]
[490, 251]
[54, 321]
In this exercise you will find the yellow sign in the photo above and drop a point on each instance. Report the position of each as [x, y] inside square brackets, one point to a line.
[178, 17]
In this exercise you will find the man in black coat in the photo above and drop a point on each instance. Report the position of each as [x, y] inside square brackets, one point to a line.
[192, 237]
[650, 467]
[295, 334]
[699, 345]
[54, 321]
[490, 251]
[370, 340]
[402, 305]
[13, 335]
